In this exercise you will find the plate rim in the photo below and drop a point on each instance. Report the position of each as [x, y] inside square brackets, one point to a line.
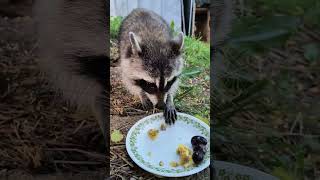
[155, 172]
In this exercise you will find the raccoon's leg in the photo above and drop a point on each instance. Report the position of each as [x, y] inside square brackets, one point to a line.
[170, 112]
[145, 101]
[100, 111]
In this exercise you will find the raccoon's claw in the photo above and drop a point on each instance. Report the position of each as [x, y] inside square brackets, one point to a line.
[170, 115]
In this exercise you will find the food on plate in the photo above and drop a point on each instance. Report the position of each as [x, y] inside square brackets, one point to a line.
[199, 148]
[153, 133]
[174, 164]
[198, 156]
[196, 140]
[185, 156]
[163, 127]
[160, 163]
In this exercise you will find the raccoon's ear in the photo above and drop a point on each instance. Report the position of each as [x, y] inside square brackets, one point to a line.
[178, 42]
[134, 40]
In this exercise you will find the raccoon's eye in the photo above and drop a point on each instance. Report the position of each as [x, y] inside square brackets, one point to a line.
[150, 88]
[169, 84]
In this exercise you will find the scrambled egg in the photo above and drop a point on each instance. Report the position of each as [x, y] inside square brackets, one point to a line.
[174, 164]
[185, 156]
[163, 127]
[153, 134]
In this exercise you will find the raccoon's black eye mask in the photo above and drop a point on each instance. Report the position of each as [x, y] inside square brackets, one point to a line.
[152, 88]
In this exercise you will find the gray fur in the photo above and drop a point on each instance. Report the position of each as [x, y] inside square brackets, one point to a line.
[149, 50]
[67, 29]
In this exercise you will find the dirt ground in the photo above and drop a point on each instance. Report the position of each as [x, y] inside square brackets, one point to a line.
[41, 134]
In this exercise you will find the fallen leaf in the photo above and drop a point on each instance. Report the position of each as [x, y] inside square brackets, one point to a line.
[116, 136]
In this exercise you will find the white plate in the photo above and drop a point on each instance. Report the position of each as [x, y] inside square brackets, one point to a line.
[147, 153]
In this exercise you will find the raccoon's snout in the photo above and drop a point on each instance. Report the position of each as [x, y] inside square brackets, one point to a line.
[157, 100]
[160, 104]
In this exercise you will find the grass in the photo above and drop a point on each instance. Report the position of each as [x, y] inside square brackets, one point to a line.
[115, 22]
[193, 95]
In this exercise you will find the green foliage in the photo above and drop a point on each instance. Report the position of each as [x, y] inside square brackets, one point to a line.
[115, 22]
[251, 113]
[257, 35]
[312, 51]
[283, 174]
[172, 26]
[195, 79]
[309, 10]
[197, 53]
[311, 15]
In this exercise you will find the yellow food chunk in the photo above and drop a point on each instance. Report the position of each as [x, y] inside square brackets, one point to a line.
[174, 164]
[160, 163]
[163, 127]
[153, 133]
[185, 155]
[187, 164]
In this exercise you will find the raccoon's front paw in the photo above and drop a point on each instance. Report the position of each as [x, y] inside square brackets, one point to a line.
[170, 114]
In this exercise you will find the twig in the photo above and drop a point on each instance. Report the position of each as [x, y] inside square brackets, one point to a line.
[125, 160]
[280, 53]
[298, 134]
[79, 127]
[311, 33]
[113, 146]
[133, 109]
[298, 118]
[79, 151]
[76, 162]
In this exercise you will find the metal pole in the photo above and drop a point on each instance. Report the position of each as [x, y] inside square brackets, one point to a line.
[190, 16]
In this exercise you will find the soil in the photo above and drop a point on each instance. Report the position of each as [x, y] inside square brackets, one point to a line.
[39, 132]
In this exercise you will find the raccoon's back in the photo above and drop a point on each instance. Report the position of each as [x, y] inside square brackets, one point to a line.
[146, 24]
[73, 34]
[72, 25]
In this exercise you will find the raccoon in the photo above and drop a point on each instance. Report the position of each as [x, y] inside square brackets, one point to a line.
[151, 60]
[73, 51]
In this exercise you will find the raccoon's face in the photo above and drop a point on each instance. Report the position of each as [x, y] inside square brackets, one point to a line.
[160, 64]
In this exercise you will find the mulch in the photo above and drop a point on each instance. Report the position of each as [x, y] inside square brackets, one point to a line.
[39, 132]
